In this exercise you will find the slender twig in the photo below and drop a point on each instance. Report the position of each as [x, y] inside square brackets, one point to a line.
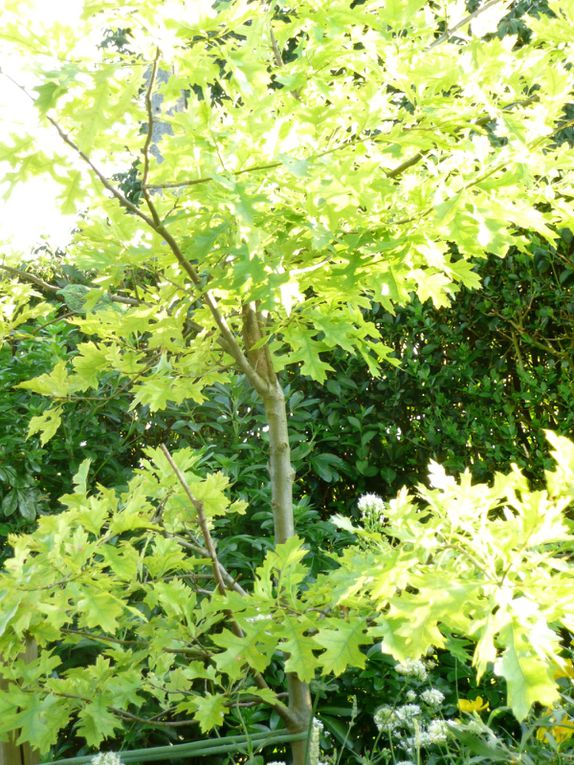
[230, 581]
[199, 509]
[463, 22]
[150, 125]
[43, 285]
[209, 178]
[137, 643]
[399, 169]
[115, 192]
[276, 52]
[53, 288]
[283, 711]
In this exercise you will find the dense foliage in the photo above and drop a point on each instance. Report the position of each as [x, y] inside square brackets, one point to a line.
[300, 176]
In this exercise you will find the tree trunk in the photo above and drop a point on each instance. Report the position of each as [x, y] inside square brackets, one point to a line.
[281, 474]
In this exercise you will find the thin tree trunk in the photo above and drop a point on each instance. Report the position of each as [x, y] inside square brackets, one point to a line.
[281, 474]
[280, 469]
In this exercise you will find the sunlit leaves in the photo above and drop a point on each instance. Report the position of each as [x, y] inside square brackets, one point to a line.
[56, 383]
[296, 643]
[46, 423]
[391, 140]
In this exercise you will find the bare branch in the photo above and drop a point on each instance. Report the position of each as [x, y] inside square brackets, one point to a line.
[463, 22]
[276, 52]
[55, 289]
[198, 506]
[24, 275]
[229, 580]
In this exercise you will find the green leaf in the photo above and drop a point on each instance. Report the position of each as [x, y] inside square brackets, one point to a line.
[326, 465]
[342, 646]
[306, 353]
[80, 480]
[41, 720]
[46, 424]
[72, 194]
[210, 710]
[89, 364]
[96, 722]
[301, 659]
[99, 608]
[528, 677]
[255, 648]
[9, 503]
[297, 167]
[48, 94]
[55, 384]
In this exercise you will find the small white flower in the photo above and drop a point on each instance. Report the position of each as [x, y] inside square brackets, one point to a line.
[384, 718]
[407, 713]
[315, 742]
[371, 506]
[437, 731]
[413, 668]
[106, 758]
[433, 697]
[405, 762]
[411, 696]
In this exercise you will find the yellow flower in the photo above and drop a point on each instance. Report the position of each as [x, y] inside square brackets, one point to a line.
[472, 705]
[562, 731]
[566, 670]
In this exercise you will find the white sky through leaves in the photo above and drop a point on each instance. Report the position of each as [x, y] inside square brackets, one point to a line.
[30, 215]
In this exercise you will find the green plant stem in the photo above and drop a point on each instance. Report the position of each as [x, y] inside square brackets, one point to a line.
[200, 748]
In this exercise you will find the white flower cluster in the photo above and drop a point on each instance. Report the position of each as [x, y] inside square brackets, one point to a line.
[407, 725]
[383, 718]
[106, 758]
[436, 732]
[315, 742]
[406, 714]
[371, 507]
[389, 719]
[412, 668]
[433, 697]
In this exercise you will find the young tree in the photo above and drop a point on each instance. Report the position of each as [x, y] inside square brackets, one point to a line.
[325, 159]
